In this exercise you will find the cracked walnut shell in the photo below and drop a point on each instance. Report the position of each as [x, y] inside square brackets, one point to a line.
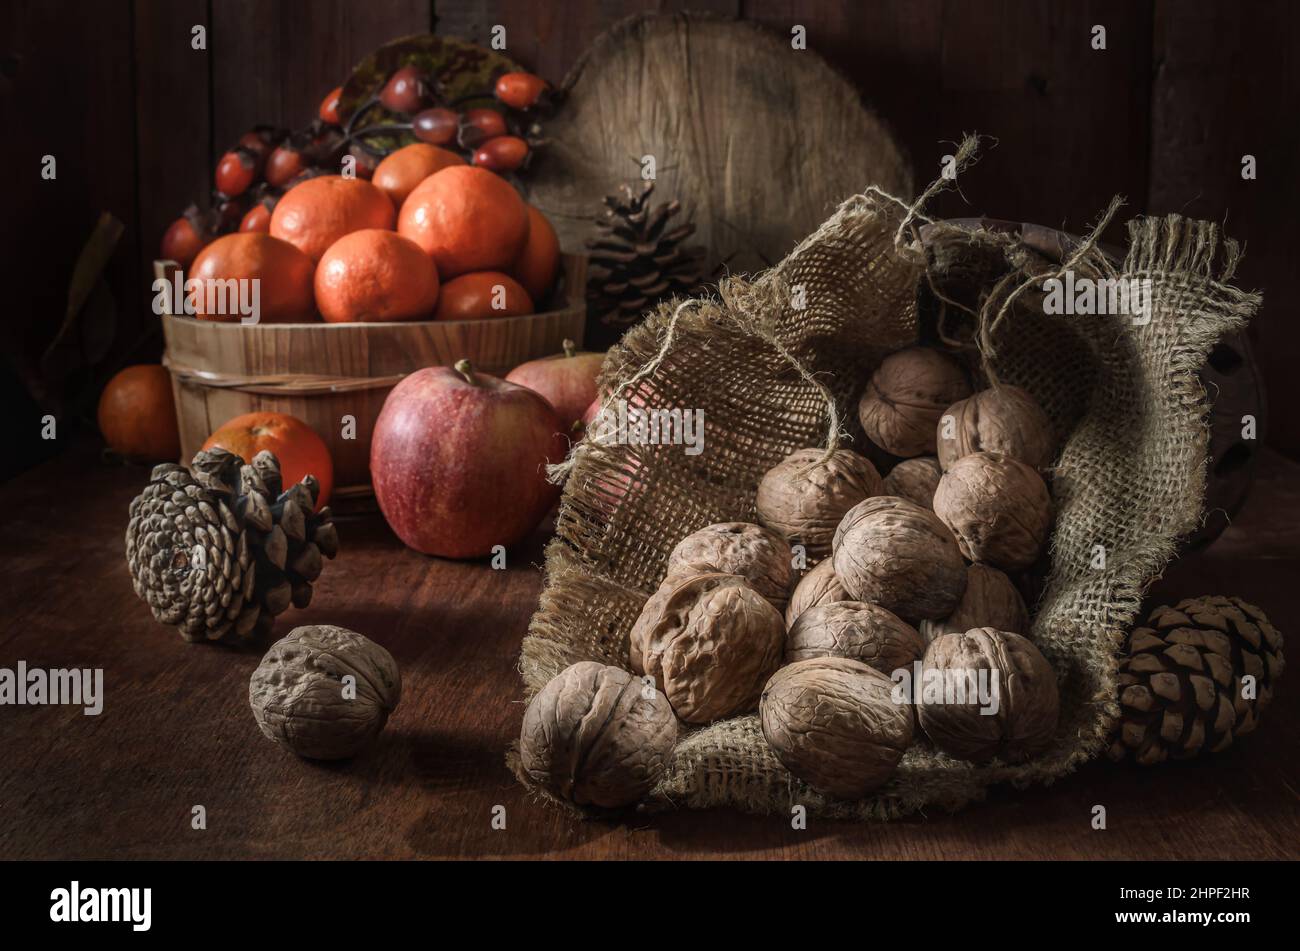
[991, 600]
[819, 586]
[324, 692]
[758, 554]
[833, 723]
[905, 398]
[710, 642]
[1003, 419]
[998, 509]
[597, 736]
[805, 495]
[858, 631]
[914, 480]
[892, 552]
[1015, 676]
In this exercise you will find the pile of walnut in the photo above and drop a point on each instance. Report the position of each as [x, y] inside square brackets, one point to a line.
[857, 618]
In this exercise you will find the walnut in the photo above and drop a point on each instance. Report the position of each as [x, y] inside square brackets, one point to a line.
[905, 397]
[324, 692]
[997, 507]
[991, 600]
[914, 480]
[833, 722]
[597, 736]
[819, 586]
[804, 497]
[892, 552]
[1003, 419]
[756, 553]
[858, 631]
[986, 694]
[710, 641]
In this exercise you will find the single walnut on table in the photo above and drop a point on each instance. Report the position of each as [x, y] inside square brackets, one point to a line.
[805, 495]
[991, 600]
[858, 631]
[1003, 419]
[758, 554]
[597, 736]
[833, 723]
[892, 552]
[324, 692]
[914, 480]
[819, 586]
[710, 642]
[997, 507]
[905, 397]
[1008, 704]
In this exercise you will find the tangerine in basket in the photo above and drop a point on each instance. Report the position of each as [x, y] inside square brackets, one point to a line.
[480, 295]
[399, 173]
[284, 275]
[300, 451]
[137, 415]
[467, 219]
[373, 275]
[539, 260]
[314, 214]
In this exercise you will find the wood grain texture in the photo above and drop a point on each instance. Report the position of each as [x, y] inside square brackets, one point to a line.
[321, 372]
[274, 62]
[1222, 73]
[173, 121]
[759, 141]
[177, 731]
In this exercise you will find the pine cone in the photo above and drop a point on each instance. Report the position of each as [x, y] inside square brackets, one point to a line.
[219, 550]
[1181, 679]
[636, 258]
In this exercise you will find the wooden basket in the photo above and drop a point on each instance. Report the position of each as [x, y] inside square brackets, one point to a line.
[323, 373]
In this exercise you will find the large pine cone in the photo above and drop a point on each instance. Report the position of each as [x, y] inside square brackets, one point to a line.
[638, 256]
[1181, 680]
[219, 551]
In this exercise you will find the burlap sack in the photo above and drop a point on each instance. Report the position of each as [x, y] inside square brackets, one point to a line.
[1125, 399]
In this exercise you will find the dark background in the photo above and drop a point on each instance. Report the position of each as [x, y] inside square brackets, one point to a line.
[1163, 116]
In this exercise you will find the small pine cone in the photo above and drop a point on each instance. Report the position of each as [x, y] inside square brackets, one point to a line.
[219, 550]
[1182, 687]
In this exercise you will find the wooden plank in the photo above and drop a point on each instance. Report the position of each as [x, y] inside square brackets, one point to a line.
[273, 63]
[176, 730]
[1070, 122]
[67, 92]
[1223, 71]
[173, 123]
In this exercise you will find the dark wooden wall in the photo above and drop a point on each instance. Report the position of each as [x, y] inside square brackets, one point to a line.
[1163, 115]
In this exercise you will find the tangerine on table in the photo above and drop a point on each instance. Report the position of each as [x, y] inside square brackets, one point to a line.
[314, 214]
[480, 295]
[284, 276]
[137, 415]
[373, 275]
[295, 444]
[399, 173]
[467, 219]
[540, 258]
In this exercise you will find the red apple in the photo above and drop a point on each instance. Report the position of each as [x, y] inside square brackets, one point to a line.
[458, 461]
[567, 380]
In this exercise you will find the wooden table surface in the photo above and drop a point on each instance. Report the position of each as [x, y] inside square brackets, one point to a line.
[176, 730]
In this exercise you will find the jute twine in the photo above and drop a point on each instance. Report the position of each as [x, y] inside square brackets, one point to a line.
[772, 377]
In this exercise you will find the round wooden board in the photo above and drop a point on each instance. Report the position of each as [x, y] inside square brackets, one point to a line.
[758, 140]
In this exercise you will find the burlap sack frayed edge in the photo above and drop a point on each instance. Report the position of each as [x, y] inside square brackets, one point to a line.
[722, 764]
